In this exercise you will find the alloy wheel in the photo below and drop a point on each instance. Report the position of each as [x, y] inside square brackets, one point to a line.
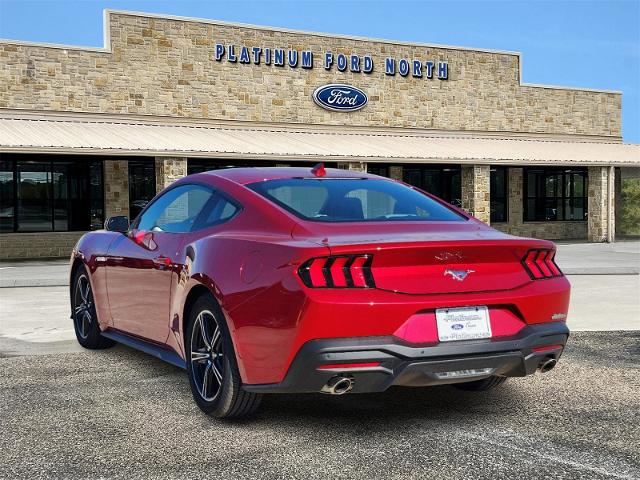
[207, 355]
[83, 306]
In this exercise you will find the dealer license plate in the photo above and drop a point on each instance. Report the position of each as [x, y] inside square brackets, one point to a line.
[465, 323]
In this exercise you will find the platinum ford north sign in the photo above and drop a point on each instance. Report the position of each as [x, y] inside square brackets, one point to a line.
[280, 57]
[340, 98]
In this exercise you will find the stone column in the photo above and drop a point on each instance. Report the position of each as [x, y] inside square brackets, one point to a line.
[601, 202]
[618, 201]
[168, 170]
[515, 201]
[116, 188]
[353, 166]
[395, 172]
[475, 191]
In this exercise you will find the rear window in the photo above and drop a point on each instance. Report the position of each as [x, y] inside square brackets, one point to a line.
[353, 200]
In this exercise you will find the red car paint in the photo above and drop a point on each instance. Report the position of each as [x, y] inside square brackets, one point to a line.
[142, 280]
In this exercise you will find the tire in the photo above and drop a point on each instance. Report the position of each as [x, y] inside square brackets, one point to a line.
[481, 385]
[211, 364]
[83, 313]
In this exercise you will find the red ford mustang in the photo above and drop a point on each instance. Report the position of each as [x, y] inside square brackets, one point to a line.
[304, 280]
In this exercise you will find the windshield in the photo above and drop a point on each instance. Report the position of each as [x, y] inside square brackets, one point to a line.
[353, 200]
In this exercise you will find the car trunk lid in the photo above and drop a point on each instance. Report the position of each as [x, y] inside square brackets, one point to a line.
[436, 258]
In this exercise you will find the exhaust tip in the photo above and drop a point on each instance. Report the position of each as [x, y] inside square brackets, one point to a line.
[338, 386]
[547, 365]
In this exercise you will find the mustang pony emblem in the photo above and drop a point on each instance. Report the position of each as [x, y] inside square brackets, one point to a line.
[458, 275]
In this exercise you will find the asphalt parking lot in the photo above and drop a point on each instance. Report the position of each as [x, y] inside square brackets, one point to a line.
[121, 414]
[70, 413]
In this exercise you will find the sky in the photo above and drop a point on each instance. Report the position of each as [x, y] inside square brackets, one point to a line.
[577, 43]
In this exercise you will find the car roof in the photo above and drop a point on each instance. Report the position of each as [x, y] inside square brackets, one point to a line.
[245, 176]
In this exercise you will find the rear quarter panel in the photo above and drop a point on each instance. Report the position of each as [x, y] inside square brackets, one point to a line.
[253, 280]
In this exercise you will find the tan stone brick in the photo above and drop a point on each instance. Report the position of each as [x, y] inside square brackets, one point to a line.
[135, 41]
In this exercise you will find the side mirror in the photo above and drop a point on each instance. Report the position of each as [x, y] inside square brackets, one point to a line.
[117, 224]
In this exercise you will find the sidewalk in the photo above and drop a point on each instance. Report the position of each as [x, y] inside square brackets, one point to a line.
[34, 273]
[621, 258]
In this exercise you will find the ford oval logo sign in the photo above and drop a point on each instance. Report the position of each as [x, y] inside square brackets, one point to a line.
[457, 326]
[340, 98]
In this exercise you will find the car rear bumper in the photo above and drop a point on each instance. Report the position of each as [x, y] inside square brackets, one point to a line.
[380, 362]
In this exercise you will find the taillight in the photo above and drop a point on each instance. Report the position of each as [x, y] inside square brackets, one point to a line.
[540, 263]
[338, 271]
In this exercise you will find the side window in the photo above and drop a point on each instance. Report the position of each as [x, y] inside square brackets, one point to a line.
[218, 210]
[177, 210]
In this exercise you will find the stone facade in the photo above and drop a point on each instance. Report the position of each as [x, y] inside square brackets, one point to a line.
[168, 170]
[475, 191]
[167, 67]
[116, 188]
[515, 224]
[16, 246]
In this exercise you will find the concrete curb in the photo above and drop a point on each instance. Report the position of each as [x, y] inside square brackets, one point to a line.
[601, 271]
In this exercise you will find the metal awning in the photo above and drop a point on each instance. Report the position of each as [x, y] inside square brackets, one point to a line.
[77, 135]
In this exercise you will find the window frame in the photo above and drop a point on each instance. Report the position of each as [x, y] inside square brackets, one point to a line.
[198, 223]
[564, 196]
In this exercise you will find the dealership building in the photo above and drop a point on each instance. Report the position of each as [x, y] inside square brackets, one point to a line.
[88, 133]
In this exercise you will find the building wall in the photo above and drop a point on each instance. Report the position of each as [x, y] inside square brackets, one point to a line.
[167, 67]
[20, 246]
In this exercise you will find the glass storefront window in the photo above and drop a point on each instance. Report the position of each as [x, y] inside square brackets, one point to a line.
[52, 194]
[142, 185]
[443, 181]
[96, 193]
[554, 194]
[35, 210]
[199, 165]
[498, 194]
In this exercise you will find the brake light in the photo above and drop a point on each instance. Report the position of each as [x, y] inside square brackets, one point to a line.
[540, 263]
[338, 271]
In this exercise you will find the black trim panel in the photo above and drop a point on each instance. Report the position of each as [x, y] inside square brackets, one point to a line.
[414, 365]
[157, 351]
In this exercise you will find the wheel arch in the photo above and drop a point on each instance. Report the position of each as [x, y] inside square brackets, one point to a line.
[75, 265]
[198, 290]
[194, 294]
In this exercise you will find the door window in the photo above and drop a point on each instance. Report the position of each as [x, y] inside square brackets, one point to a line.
[186, 208]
